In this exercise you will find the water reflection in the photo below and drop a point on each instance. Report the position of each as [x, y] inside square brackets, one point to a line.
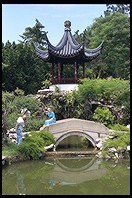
[74, 171]
[20, 183]
[64, 176]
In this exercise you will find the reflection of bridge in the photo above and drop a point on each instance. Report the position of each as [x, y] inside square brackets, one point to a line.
[91, 170]
[67, 165]
[72, 126]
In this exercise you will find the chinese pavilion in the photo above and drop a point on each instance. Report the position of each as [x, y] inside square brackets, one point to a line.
[67, 52]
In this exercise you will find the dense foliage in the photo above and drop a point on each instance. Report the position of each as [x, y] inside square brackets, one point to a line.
[33, 144]
[114, 30]
[13, 104]
[121, 142]
[103, 96]
[113, 93]
[23, 69]
[103, 100]
[103, 115]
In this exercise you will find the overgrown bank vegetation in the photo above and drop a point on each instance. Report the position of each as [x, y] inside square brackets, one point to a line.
[103, 96]
[100, 100]
[105, 101]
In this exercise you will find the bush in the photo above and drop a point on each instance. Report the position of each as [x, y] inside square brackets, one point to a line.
[14, 104]
[31, 148]
[28, 102]
[33, 124]
[122, 140]
[47, 137]
[34, 143]
[10, 149]
[115, 92]
[118, 127]
[103, 115]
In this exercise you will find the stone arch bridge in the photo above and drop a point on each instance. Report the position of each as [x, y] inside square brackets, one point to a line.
[73, 126]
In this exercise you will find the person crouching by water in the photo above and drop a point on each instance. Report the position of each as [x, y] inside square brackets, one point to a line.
[51, 120]
[19, 128]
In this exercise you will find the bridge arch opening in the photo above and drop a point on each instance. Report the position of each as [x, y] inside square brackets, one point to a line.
[83, 166]
[75, 137]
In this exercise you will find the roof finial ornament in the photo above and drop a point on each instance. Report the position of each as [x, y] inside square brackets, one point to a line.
[67, 25]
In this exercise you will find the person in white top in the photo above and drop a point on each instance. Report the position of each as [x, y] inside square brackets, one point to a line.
[19, 128]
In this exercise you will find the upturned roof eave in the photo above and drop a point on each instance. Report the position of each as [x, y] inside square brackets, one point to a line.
[90, 54]
[44, 54]
[94, 50]
[67, 48]
[67, 39]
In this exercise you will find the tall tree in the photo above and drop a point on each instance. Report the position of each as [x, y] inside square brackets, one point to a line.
[25, 70]
[114, 61]
[113, 8]
[35, 34]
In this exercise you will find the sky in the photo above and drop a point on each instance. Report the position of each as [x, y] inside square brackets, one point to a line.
[17, 17]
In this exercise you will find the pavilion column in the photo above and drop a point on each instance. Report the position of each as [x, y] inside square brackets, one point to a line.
[75, 72]
[83, 70]
[58, 72]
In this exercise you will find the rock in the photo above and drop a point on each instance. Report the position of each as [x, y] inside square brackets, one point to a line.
[128, 126]
[128, 148]
[41, 155]
[12, 130]
[50, 147]
[44, 91]
[113, 150]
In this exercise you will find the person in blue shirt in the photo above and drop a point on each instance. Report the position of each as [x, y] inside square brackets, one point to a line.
[51, 120]
[19, 128]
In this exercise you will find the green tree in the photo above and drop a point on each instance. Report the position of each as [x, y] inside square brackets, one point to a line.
[114, 30]
[113, 8]
[35, 34]
[25, 70]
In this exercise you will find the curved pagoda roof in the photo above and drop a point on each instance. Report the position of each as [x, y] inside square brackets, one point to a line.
[68, 50]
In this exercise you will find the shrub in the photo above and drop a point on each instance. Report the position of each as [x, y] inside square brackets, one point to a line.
[122, 140]
[33, 124]
[103, 115]
[115, 92]
[34, 143]
[47, 137]
[10, 149]
[14, 107]
[118, 127]
[30, 148]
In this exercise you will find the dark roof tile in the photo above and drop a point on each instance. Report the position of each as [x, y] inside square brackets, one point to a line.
[67, 48]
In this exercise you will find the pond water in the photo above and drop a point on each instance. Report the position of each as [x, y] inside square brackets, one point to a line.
[67, 176]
